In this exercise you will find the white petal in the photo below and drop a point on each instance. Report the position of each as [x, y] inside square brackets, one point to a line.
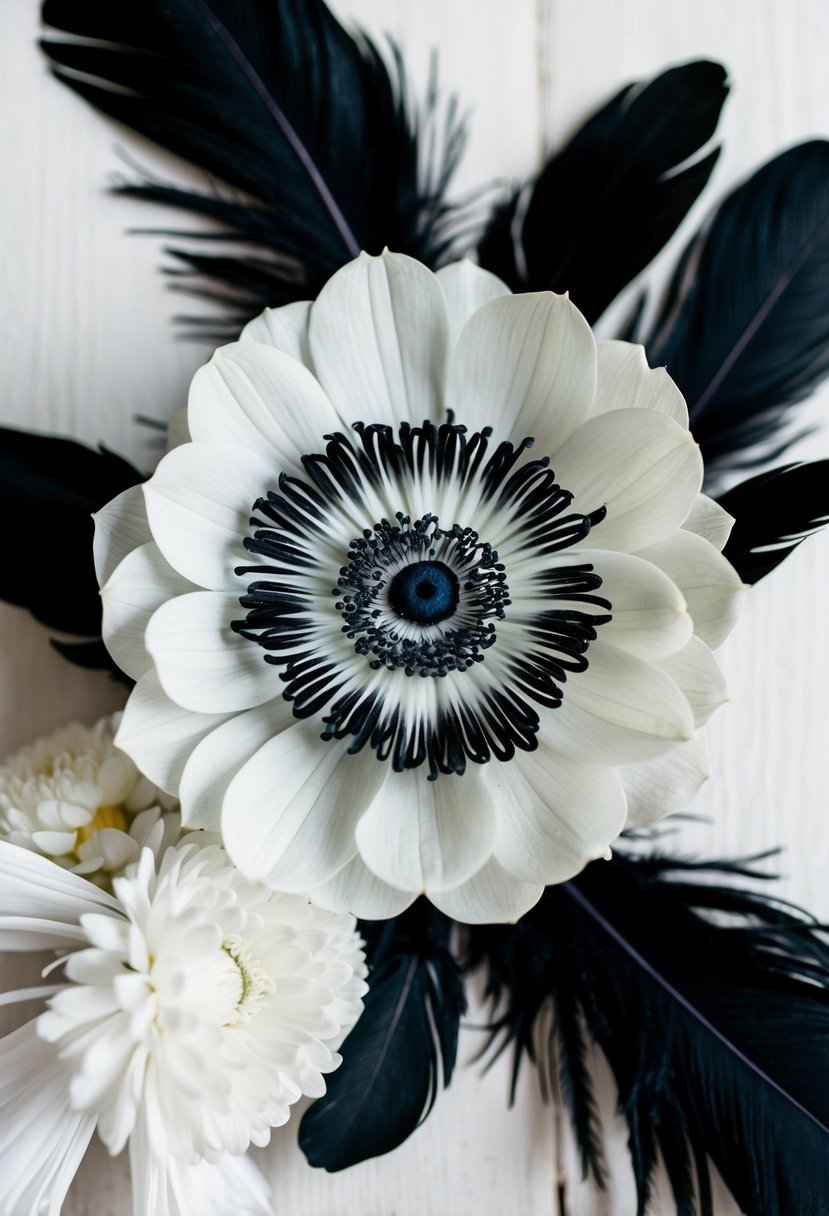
[159, 735]
[261, 398]
[554, 814]
[421, 835]
[151, 1191]
[284, 328]
[649, 614]
[37, 896]
[697, 673]
[42, 1140]
[525, 365]
[139, 585]
[34, 933]
[710, 521]
[39, 993]
[232, 1184]
[639, 464]
[626, 382]
[289, 814]
[656, 788]
[357, 889]
[467, 288]
[378, 335]
[120, 527]
[201, 663]
[709, 583]
[620, 709]
[114, 848]
[220, 755]
[199, 503]
[54, 843]
[490, 896]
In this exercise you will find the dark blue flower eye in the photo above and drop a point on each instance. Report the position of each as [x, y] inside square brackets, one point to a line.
[425, 592]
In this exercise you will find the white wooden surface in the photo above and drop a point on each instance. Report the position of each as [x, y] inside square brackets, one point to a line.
[87, 344]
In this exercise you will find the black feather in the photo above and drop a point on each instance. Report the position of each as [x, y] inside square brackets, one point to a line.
[49, 488]
[275, 99]
[401, 1050]
[744, 331]
[773, 513]
[604, 206]
[710, 1002]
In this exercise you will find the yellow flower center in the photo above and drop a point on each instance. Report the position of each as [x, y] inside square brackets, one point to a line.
[104, 817]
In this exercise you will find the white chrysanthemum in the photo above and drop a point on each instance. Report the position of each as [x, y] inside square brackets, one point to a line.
[465, 637]
[197, 1008]
[78, 799]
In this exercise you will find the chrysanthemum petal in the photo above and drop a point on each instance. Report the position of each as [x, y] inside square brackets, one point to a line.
[378, 336]
[709, 583]
[710, 521]
[620, 709]
[215, 761]
[120, 527]
[159, 735]
[658, 787]
[262, 398]
[201, 663]
[42, 1140]
[467, 288]
[39, 898]
[289, 814]
[40, 992]
[525, 365]
[555, 814]
[199, 503]
[139, 585]
[421, 835]
[358, 890]
[697, 673]
[284, 328]
[490, 895]
[639, 464]
[625, 382]
[175, 1188]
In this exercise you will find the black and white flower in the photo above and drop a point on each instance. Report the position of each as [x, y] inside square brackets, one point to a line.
[428, 600]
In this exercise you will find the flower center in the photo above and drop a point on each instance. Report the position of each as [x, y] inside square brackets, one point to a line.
[104, 817]
[420, 597]
[416, 596]
[426, 592]
[256, 984]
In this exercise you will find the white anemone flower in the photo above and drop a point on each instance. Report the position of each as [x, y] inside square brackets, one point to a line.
[196, 1008]
[427, 603]
[78, 799]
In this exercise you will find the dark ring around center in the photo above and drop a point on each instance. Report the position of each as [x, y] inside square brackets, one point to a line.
[424, 592]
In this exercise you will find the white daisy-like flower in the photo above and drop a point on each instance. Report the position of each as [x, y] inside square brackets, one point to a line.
[78, 799]
[196, 1008]
[427, 602]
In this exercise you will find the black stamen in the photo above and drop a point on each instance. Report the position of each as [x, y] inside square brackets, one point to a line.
[416, 598]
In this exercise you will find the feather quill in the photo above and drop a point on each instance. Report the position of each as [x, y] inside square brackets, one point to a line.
[49, 488]
[710, 1002]
[604, 206]
[401, 1050]
[744, 330]
[275, 99]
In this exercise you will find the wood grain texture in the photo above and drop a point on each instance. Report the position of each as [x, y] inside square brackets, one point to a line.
[88, 344]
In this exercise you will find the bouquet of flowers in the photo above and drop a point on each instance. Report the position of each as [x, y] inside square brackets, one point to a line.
[416, 621]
